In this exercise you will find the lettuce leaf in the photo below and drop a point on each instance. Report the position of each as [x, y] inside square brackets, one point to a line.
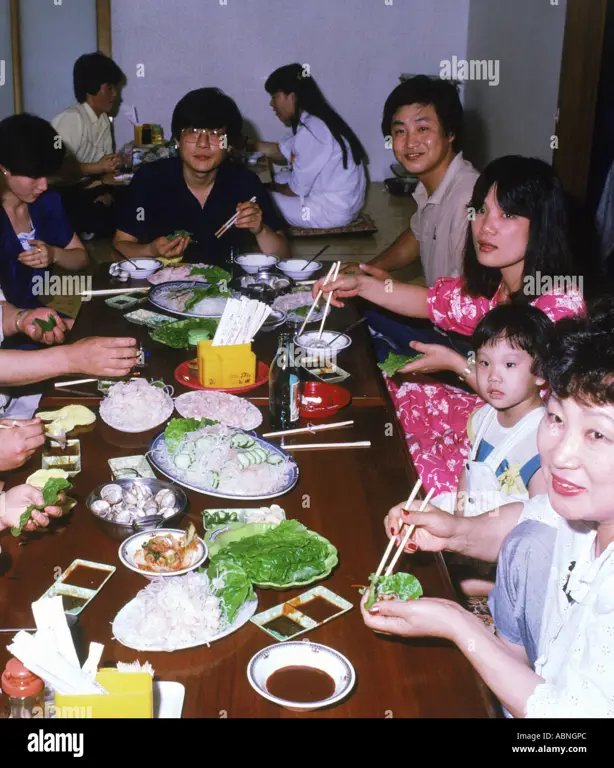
[46, 325]
[237, 585]
[398, 586]
[176, 335]
[394, 362]
[210, 292]
[283, 555]
[51, 492]
[178, 428]
[211, 274]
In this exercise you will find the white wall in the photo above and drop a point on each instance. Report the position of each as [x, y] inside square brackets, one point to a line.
[356, 49]
[518, 115]
[6, 89]
[52, 39]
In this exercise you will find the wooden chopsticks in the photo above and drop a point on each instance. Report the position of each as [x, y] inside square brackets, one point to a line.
[410, 530]
[310, 429]
[331, 272]
[328, 300]
[231, 222]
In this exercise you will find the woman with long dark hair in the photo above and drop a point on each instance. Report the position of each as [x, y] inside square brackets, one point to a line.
[326, 184]
[517, 251]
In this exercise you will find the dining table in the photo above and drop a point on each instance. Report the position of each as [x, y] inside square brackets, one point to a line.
[342, 494]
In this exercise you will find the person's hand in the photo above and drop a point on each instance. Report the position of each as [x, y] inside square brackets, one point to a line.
[434, 532]
[101, 356]
[376, 272]
[106, 199]
[31, 328]
[108, 164]
[40, 255]
[14, 503]
[345, 286]
[168, 249]
[425, 617]
[436, 358]
[250, 217]
[20, 442]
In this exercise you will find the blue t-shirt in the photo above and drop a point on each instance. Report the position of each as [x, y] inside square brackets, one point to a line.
[52, 226]
[158, 202]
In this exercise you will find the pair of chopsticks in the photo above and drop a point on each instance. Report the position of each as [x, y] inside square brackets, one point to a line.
[115, 291]
[315, 446]
[409, 532]
[334, 269]
[231, 222]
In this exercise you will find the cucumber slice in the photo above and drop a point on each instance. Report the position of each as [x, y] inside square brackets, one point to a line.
[183, 461]
[242, 441]
[243, 460]
[215, 480]
[274, 458]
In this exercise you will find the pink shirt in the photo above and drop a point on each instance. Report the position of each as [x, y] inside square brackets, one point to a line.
[451, 309]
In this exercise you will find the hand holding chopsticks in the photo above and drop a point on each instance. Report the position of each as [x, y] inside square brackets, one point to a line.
[328, 278]
[328, 300]
[231, 221]
[410, 530]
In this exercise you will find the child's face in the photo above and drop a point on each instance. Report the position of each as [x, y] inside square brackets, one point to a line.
[418, 139]
[576, 445]
[504, 377]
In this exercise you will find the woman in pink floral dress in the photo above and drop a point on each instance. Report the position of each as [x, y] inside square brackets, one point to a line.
[517, 250]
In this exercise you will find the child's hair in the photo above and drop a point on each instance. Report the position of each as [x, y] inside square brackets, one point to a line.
[309, 98]
[521, 326]
[29, 146]
[207, 108]
[92, 71]
[526, 187]
[579, 360]
[442, 95]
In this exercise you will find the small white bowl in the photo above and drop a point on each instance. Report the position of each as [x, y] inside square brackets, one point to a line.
[146, 267]
[253, 262]
[130, 546]
[294, 268]
[301, 654]
[309, 341]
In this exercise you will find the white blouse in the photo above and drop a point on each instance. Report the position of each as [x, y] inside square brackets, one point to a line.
[576, 646]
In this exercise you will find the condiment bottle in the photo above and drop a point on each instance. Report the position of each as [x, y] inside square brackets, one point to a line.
[24, 690]
[284, 386]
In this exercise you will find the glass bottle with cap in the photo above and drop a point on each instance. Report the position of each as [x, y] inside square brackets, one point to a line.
[23, 689]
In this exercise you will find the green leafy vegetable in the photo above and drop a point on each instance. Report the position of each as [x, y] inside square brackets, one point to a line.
[211, 274]
[210, 292]
[176, 335]
[51, 492]
[394, 362]
[180, 233]
[302, 311]
[398, 586]
[237, 585]
[46, 325]
[178, 428]
[286, 554]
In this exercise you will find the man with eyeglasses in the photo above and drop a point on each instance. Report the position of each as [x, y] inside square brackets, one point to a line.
[198, 192]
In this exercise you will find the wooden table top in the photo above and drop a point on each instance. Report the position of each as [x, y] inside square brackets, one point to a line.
[342, 494]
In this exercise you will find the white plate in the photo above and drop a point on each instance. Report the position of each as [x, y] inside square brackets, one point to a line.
[167, 699]
[166, 414]
[251, 417]
[157, 445]
[245, 613]
[129, 547]
[159, 298]
[295, 300]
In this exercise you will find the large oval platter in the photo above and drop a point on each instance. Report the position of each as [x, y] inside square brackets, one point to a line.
[161, 460]
[162, 296]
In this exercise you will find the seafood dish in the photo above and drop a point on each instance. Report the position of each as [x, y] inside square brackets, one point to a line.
[295, 303]
[191, 299]
[167, 552]
[137, 405]
[124, 504]
[227, 409]
[185, 612]
[182, 272]
[212, 458]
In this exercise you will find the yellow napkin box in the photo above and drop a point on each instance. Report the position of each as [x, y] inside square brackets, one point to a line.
[226, 367]
[130, 696]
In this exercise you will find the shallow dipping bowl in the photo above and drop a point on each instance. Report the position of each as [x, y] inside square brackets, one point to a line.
[146, 267]
[310, 342]
[252, 262]
[294, 268]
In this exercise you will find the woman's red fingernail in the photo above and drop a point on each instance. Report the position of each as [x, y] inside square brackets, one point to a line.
[374, 610]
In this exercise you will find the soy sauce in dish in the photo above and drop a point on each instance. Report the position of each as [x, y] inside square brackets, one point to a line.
[303, 684]
[319, 609]
[87, 578]
[283, 626]
[70, 602]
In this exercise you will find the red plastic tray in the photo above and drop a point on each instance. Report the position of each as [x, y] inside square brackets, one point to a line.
[189, 378]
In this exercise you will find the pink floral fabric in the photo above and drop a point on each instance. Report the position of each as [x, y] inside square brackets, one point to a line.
[434, 416]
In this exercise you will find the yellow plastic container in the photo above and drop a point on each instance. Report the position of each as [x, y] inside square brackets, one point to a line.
[226, 367]
[130, 695]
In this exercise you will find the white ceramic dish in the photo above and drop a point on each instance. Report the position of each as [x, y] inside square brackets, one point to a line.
[294, 268]
[129, 547]
[301, 654]
[167, 699]
[206, 405]
[253, 262]
[310, 342]
[143, 269]
[164, 416]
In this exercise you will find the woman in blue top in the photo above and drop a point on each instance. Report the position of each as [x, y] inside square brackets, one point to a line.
[35, 232]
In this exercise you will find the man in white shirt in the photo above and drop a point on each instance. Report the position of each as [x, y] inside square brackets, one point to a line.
[553, 604]
[423, 118]
[86, 131]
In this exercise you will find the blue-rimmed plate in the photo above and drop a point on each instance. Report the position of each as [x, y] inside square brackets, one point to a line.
[161, 460]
